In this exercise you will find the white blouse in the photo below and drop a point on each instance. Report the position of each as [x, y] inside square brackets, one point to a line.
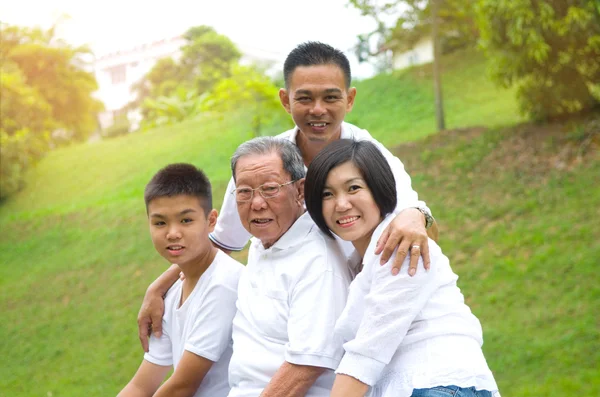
[403, 333]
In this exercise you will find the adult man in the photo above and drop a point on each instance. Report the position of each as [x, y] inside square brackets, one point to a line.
[317, 96]
[295, 284]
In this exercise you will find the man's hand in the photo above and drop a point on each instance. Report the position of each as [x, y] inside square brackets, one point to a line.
[153, 307]
[406, 232]
[150, 316]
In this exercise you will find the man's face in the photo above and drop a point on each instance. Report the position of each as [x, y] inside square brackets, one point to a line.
[179, 228]
[317, 100]
[268, 219]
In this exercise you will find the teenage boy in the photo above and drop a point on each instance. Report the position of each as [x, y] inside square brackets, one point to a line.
[199, 310]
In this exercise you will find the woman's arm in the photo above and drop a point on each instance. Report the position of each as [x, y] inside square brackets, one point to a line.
[347, 386]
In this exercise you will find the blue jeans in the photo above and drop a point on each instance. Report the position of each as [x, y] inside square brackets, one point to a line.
[450, 391]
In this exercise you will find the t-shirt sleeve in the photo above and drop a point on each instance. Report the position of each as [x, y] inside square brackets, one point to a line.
[211, 328]
[316, 303]
[229, 232]
[160, 349]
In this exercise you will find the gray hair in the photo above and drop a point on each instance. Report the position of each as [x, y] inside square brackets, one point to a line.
[289, 153]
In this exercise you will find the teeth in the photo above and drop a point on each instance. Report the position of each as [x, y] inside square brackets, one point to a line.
[347, 220]
[175, 247]
[261, 220]
[318, 124]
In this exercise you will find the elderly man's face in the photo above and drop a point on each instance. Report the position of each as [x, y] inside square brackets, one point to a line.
[268, 218]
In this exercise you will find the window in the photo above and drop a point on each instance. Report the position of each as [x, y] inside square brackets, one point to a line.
[117, 74]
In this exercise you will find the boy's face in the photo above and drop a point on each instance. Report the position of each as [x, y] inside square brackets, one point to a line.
[179, 228]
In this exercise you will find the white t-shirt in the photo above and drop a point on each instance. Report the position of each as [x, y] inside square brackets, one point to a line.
[289, 298]
[229, 232]
[405, 332]
[202, 325]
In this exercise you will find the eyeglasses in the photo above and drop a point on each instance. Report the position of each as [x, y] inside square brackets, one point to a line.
[267, 191]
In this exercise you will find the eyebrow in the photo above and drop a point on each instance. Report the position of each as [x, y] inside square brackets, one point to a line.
[326, 91]
[185, 211]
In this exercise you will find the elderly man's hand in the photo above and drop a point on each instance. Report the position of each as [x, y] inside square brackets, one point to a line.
[406, 232]
[150, 316]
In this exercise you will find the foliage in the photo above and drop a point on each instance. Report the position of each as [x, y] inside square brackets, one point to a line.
[413, 23]
[206, 57]
[550, 49]
[120, 126]
[183, 104]
[249, 89]
[44, 89]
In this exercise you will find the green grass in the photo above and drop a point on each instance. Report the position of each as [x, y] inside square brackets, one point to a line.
[76, 257]
[399, 107]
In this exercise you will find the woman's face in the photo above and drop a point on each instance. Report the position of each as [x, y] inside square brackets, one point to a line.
[348, 206]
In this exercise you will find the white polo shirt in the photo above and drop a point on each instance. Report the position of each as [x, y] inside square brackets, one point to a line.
[202, 325]
[289, 299]
[229, 232]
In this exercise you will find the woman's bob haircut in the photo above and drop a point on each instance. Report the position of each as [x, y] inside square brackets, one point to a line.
[373, 167]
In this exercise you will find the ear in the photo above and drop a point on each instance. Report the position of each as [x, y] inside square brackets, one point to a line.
[300, 187]
[351, 97]
[284, 98]
[212, 220]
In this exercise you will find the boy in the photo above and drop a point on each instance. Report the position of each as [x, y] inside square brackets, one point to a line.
[199, 310]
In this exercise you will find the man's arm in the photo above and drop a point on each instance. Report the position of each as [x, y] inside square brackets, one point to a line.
[187, 377]
[146, 380]
[153, 306]
[292, 380]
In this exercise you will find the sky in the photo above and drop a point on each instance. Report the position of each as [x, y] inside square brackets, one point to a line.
[275, 26]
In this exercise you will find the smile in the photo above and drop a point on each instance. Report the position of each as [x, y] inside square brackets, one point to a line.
[345, 221]
[318, 125]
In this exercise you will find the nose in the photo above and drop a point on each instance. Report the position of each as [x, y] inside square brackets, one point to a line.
[173, 233]
[319, 108]
[258, 202]
[342, 203]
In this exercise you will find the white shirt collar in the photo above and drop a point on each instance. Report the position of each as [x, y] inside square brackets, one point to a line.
[347, 132]
[294, 236]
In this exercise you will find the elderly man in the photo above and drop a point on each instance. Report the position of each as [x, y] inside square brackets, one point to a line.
[295, 284]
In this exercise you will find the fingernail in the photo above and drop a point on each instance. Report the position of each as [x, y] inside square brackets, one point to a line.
[395, 271]
[412, 271]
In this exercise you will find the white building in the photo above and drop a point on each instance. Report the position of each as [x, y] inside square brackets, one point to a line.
[117, 72]
[422, 52]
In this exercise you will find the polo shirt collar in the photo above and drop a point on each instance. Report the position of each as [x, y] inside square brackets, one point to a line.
[295, 234]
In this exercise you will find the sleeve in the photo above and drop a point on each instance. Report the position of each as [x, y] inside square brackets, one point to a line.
[407, 196]
[160, 349]
[316, 303]
[391, 306]
[229, 232]
[210, 334]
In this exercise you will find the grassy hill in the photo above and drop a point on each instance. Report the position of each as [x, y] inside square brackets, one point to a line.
[516, 206]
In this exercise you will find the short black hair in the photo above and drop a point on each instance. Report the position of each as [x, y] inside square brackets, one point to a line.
[373, 167]
[314, 53]
[180, 179]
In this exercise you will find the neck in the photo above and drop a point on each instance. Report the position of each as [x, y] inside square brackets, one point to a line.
[194, 269]
[310, 148]
[269, 244]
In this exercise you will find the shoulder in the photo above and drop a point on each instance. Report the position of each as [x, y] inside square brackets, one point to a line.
[226, 272]
[322, 253]
[356, 133]
[287, 134]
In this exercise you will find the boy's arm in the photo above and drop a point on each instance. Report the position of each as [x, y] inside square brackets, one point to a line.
[146, 380]
[153, 307]
[187, 377]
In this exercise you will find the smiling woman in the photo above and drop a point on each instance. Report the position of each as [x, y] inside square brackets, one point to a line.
[403, 335]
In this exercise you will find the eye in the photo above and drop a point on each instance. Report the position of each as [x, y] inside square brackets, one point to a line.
[326, 195]
[270, 189]
[354, 188]
[331, 98]
[303, 99]
[186, 220]
[158, 223]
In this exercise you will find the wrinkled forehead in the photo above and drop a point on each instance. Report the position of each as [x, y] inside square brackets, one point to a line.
[260, 167]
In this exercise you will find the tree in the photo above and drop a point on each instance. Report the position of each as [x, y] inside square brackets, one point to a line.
[402, 23]
[550, 49]
[43, 87]
[247, 89]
